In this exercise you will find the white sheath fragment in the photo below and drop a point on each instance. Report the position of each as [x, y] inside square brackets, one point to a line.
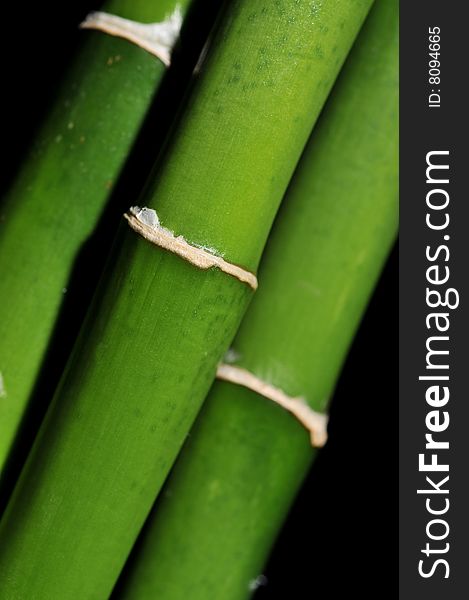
[315, 422]
[157, 38]
[145, 222]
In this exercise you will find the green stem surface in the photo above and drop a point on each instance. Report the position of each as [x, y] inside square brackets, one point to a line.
[60, 193]
[158, 326]
[213, 526]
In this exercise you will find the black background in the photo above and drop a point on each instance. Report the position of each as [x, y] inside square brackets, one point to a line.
[342, 531]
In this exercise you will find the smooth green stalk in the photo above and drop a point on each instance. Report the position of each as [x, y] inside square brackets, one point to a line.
[215, 522]
[158, 326]
[60, 193]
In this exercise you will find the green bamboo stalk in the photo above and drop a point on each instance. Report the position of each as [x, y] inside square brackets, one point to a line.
[213, 526]
[158, 326]
[60, 193]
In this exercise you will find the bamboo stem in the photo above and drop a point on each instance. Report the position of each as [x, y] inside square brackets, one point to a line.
[213, 526]
[60, 194]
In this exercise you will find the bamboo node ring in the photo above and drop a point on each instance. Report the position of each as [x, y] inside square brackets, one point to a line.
[156, 38]
[314, 422]
[145, 222]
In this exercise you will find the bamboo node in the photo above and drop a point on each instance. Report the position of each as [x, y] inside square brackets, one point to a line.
[156, 38]
[314, 422]
[145, 222]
